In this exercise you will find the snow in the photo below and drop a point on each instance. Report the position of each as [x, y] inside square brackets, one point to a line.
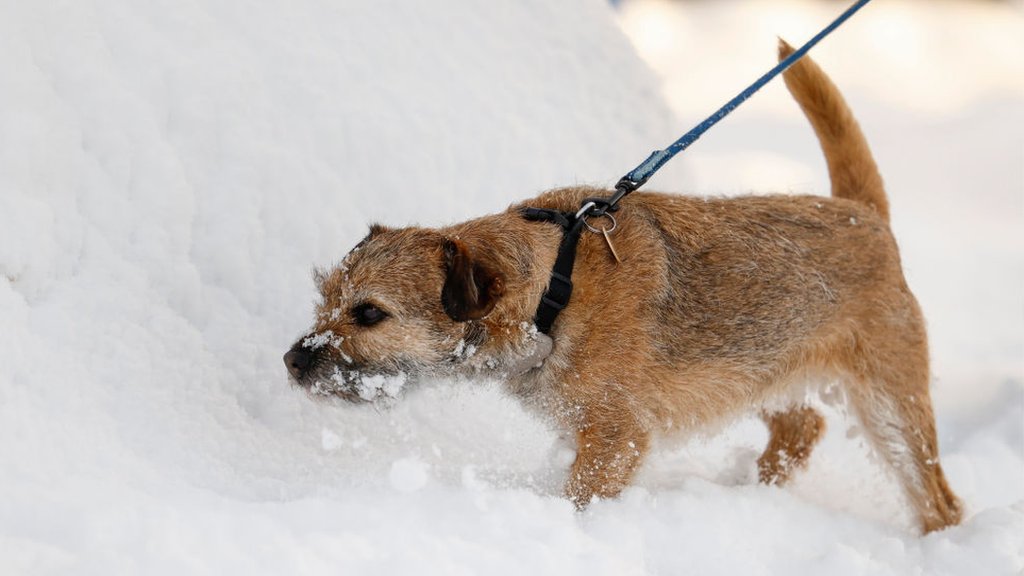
[409, 474]
[320, 339]
[171, 172]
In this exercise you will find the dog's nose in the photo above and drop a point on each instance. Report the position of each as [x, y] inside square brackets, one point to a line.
[298, 360]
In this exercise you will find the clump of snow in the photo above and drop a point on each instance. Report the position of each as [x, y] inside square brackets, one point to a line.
[371, 387]
[170, 171]
[330, 440]
[409, 474]
[463, 351]
[320, 339]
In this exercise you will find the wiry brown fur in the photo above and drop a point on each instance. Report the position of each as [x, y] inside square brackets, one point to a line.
[719, 306]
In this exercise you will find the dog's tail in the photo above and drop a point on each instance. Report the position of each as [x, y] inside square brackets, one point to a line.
[851, 168]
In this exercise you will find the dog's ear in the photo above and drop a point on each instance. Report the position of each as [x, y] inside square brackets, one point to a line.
[471, 289]
[375, 229]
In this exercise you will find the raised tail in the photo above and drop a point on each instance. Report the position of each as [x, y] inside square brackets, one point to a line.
[851, 168]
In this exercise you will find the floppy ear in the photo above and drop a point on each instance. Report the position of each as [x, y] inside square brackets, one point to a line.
[471, 289]
[376, 228]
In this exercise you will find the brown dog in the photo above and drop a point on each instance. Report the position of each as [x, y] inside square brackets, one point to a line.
[719, 306]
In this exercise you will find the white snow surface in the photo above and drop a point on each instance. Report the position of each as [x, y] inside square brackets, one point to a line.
[170, 173]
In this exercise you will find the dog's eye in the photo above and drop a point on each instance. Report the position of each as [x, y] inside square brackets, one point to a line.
[368, 314]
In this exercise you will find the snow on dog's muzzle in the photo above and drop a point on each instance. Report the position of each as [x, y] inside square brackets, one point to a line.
[356, 386]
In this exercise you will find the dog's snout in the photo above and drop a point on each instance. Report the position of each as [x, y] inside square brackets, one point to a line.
[298, 361]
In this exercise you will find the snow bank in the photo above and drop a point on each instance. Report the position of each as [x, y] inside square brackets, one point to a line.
[170, 172]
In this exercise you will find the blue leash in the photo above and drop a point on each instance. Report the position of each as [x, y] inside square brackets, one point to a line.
[559, 289]
[642, 173]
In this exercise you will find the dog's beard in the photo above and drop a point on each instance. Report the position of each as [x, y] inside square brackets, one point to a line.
[356, 386]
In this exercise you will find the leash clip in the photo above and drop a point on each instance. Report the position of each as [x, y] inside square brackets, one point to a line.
[595, 206]
[585, 209]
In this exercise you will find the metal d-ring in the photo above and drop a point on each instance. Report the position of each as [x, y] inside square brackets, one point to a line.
[596, 231]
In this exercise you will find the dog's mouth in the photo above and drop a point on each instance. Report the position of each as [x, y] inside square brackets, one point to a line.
[354, 386]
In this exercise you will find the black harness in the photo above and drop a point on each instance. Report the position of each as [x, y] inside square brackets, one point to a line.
[556, 297]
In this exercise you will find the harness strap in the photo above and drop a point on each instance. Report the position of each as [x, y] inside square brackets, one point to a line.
[560, 287]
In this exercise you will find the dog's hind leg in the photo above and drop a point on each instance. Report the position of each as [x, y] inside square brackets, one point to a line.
[902, 429]
[889, 392]
[793, 434]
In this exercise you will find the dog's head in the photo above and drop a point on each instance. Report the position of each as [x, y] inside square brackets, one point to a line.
[403, 303]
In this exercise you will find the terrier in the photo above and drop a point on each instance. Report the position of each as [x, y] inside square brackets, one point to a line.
[719, 306]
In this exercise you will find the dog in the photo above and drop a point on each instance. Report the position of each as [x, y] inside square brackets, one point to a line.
[719, 306]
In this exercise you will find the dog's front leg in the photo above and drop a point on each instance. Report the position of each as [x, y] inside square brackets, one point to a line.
[608, 453]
